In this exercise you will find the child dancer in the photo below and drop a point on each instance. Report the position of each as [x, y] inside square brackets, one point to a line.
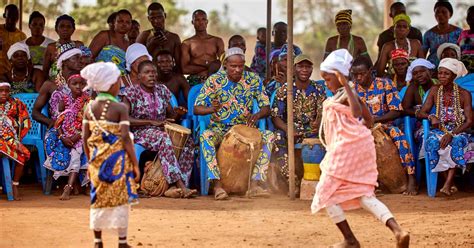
[349, 169]
[64, 144]
[113, 166]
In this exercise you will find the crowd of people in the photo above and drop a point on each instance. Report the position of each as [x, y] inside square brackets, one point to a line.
[124, 80]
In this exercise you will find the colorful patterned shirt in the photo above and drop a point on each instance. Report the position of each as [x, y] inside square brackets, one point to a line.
[259, 63]
[381, 97]
[307, 105]
[466, 42]
[236, 98]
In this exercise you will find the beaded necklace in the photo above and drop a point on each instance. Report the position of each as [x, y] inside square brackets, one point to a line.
[447, 101]
[102, 96]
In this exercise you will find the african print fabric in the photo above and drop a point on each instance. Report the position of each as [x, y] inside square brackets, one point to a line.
[432, 40]
[466, 43]
[14, 125]
[114, 54]
[152, 106]
[26, 86]
[236, 99]
[382, 97]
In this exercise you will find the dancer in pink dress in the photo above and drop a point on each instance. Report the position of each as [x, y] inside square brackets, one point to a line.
[349, 169]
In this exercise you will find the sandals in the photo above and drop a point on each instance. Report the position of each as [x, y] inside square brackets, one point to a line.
[257, 192]
[220, 194]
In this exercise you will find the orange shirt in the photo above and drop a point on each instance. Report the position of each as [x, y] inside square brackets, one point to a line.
[6, 40]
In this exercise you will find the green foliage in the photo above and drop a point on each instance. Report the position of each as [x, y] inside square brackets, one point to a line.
[93, 18]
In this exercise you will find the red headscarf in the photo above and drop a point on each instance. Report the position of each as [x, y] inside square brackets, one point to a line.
[399, 53]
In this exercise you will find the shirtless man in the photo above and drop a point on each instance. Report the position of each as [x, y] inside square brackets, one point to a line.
[200, 54]
[158, 38]
[175, 82]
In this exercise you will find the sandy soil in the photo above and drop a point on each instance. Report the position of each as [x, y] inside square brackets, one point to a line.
[44, 221]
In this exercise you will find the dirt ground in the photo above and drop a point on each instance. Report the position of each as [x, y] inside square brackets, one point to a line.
[44, 221]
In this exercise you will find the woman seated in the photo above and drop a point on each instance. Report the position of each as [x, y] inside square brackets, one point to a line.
[401, 26]
[65, 156]
[447, 140]
[23, 77]
[14, 125]
[149, 108]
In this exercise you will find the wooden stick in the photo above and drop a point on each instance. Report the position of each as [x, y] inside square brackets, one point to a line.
[268, 41]
[289, 99]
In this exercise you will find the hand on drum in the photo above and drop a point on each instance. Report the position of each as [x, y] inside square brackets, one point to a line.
[252, 120]
[161, 123]
[445, 140]
[180, 110]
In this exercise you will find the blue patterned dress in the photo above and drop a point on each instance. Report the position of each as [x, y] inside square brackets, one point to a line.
[432, 40]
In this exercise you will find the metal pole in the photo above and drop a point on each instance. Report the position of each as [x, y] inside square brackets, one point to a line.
[289, 98]
[268, 41]
[21, 15]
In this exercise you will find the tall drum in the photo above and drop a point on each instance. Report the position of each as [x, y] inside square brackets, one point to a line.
[391, 173]
[312, 153]
[236, 157]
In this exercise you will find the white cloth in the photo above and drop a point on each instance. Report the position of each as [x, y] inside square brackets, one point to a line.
[234, 51]
[67, 55]
[100, 76]
[74, 165]
[454, 65]
[109, 218]
[453, 46]
[135, 51]
[418, 62]
[338, 60]
[19, 46]
[370, 204]
[3, 84]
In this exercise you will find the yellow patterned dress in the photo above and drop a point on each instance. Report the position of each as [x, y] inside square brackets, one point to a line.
[113, 187]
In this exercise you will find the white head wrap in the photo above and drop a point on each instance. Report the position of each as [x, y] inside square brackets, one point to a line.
[454, 65]
[3, 84]
[135, 51]
[443, 47]
[100, 76]
[418, 62]
[19, 46]
[339, 60]
[234, 51]
[67, 55]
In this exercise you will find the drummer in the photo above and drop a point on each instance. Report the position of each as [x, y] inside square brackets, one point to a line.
[228, 96]
[381, 96]
[308, 98]
[149, 109]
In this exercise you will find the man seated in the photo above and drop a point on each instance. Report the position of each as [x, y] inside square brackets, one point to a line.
[308, 97]
[381, 97]
[400, 63]
[14, 124]
[175, 82]
[158, 38]
[200, 54]
[228, 96]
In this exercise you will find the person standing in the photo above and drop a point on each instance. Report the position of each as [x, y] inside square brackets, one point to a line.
[37, 42]
[9, 35]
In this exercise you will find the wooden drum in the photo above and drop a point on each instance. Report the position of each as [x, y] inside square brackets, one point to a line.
[391, 173]
[179, 135]
[236, 157]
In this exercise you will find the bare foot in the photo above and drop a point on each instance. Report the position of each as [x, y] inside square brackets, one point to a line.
[16, 193]
[66, 193]
[403, 239]
[445, 190]
[411, 190]
[98, 245]
[346, 244]
[124, 246]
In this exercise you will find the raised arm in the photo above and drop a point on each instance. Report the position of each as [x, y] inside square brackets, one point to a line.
[143, 37]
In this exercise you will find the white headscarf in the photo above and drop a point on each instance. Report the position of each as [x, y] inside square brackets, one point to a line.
[418, 62]
[67, 55]
[454, 65]
[444, 46]
[100, 76]
[135, 51]
[3, 84]
[339, 60]
[19, 46]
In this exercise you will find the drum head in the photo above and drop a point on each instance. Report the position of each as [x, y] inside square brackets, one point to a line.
[177, 128]
[311, 141]
[246, 134]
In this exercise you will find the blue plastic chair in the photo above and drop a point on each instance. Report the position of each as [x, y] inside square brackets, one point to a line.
[35, 135]
[204, 121]
[7, 177]
[431, 177]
